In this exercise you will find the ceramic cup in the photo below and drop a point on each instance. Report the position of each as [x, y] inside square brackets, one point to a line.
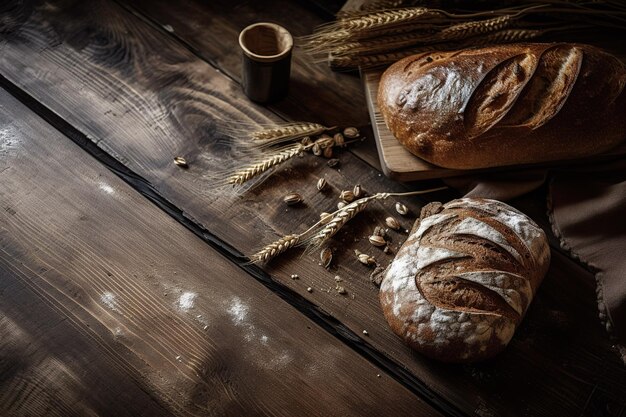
[266, 61]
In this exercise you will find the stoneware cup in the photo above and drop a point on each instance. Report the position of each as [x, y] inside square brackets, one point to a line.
[266, 61]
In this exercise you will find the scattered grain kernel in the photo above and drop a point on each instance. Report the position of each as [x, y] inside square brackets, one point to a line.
[357, 191]
[332, 163]
[365, 332]
[321, 184]
[181, 162]
[347, 196]
[401, 208]
[351, 132]
[339, 140]
[326, 256]
[377, 240]
[392, 223]
[365, 259]
[292, 199]
[309, 289]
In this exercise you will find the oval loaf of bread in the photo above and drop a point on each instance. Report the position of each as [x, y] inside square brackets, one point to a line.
[506, 105]
[462, 281]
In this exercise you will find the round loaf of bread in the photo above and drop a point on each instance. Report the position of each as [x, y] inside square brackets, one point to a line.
[461, 283]
[506, 105]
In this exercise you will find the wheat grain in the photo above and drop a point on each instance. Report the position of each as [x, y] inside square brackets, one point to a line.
[376, 38]
[467, 29]
[508, 35]
[288, 131]
[370, 7]
[315, 236]
[341, 217]
[275, 248]
[244, 175]
[386, 18]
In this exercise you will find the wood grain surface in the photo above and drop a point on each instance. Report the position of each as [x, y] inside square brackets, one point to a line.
[143, 97]
[110, 307]
[317, 94]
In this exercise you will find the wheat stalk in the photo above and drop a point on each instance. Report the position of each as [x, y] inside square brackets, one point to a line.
[275, 248]
[339, 220]
[509, 35]
[387, 18]
[374, 38]
[370, 7]
[467, 29]
[347, 213]
[288, 131]
[318, 234]
[244, 175]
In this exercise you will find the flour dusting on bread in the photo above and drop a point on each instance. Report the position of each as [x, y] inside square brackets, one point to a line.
[504, 105]
[463, 280]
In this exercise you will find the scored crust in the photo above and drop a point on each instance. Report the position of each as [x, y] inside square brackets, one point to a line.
[463, 280]
[505, 105]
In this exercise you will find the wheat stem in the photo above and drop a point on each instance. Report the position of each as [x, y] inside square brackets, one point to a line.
[316, 236]
[345, 214]
[376, 38]
[339, 220]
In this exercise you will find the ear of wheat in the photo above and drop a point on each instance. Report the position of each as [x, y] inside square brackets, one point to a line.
[285, 132]
[371, 38]
[249, 172]
[275, 248]
[319, 233]
[255, 136]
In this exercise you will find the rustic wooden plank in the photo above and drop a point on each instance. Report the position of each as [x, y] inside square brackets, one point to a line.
[211, 30]
[145, 99]
[108, 304]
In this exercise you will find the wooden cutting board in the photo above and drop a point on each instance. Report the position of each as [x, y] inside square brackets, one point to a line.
[399, 164]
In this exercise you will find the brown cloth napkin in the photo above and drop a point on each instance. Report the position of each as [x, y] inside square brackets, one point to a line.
[587, 209]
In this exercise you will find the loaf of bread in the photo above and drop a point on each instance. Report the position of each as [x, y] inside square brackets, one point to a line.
[462, 281]
[506, 105]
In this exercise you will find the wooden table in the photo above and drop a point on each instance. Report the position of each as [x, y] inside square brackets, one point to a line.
[123, 285]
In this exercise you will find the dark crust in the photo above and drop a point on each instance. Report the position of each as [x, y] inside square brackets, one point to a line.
[446, 111]
[454, 293]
